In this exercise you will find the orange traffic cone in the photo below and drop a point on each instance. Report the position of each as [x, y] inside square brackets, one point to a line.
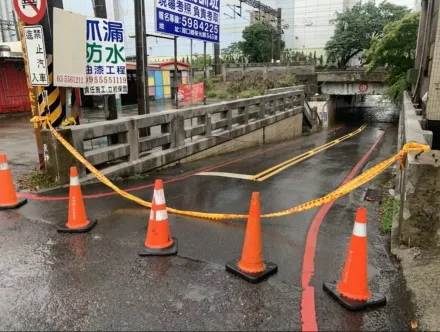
[352, 291]
[158, 241]
[8, 196]
[77, 220]
[251, 266]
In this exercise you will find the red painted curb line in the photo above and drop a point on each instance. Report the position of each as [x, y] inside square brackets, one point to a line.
[308, 309]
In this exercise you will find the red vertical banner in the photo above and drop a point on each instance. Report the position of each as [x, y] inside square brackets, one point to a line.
[184, 92]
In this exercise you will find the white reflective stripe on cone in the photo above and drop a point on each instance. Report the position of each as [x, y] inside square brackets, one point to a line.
[74, 181]
[360, 230]
[161, 215]
[4, 166]
[159, 197]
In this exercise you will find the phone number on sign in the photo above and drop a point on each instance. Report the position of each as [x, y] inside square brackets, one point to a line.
[106, 80]
[199, 25]
[70, 79]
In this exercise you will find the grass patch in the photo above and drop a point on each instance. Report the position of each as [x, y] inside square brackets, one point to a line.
[137, 177]
[132, 177]
[36, 180]
[249, 86]
[387, 209]
[219, 93]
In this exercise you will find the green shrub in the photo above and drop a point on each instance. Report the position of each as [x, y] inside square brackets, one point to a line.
[250, 93]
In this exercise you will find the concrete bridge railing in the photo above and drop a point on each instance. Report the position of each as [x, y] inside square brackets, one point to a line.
[418, 222]
[174, 135]
[310, 113]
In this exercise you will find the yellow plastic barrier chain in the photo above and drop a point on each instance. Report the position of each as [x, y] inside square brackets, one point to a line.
[341, 191]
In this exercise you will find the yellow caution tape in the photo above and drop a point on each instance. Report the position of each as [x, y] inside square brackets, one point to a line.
[341, 191]
[68, 122]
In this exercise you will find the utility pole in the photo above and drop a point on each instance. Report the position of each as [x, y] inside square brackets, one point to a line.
[176, 74]
[47, 23]
[110, 105]
[279, 32]
[51, 92]
[141, 57]
[217, 64]
[205, 76]
[191, 71]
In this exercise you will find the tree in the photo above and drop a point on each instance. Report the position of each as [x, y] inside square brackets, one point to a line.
[314, 57]
[321, 60]
[232, 53]
[259, 42]
[198, 61]
[187, 59]
[396, 51]
[310, 58]
[355, 28]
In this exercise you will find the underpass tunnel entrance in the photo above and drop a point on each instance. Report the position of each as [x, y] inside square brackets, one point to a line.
[360, 108]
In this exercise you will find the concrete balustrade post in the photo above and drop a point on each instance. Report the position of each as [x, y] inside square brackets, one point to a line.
[229, 117]
[262, 110]
[244, 111]
[208, 123]
[177, 130]
[57, 158]
[133, 140]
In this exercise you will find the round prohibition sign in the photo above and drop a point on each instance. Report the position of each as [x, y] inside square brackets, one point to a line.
[30, 11]
[363, 88]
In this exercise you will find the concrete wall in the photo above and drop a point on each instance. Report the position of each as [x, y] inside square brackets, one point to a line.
[359, 76]
[322, 107]
[337, 88]
[282, 130]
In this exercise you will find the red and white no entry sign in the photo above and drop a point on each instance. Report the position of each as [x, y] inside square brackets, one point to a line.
[30, 11]
[363, 88]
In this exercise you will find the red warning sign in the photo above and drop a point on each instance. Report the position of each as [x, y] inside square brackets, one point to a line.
[30, 11]
[363, 88]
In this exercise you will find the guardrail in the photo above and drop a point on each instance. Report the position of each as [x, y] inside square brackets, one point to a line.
[411, 124]
[173, 135]
[415, 186]
[286, 89]
[270, 64]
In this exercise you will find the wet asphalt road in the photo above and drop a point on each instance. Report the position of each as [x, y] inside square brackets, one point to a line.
[96, 281]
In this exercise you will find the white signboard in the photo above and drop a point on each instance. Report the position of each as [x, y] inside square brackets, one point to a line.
[69, 45]
[36, 53]
[106, 64]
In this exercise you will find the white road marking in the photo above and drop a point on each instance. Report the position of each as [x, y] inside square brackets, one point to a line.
[227, 175]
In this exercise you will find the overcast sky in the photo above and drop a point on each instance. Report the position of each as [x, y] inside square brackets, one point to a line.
[230, 31]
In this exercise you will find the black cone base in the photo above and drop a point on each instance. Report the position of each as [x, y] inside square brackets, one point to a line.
[169, 251]
[21, 202]
[270, 268]
[376, 300]
[78, 230]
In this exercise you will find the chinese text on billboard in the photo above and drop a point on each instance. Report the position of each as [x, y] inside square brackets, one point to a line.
[196, 19]
[106, 65]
